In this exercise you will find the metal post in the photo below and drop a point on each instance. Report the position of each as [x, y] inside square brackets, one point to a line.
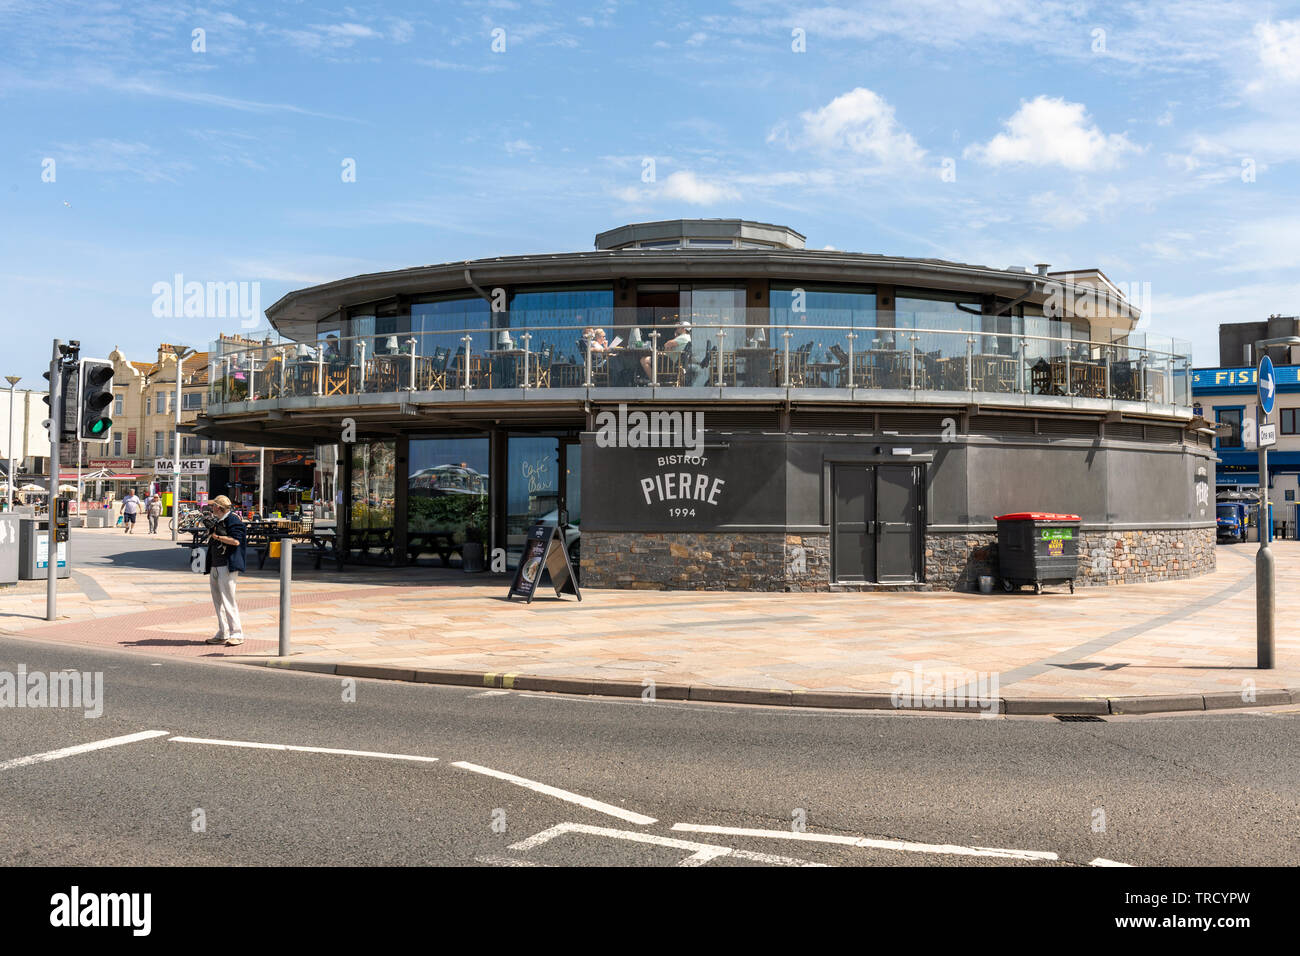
[283, 362]
[56, 429]
[527, 337]
[717, 366]
[587, 354]
[851, 336]
[361, 363]
[1110, 357]
[1069, 379]
[179, 352]
[412, 343]
[654, 358]
[468, 341]
[286, 584]
[320, 369]
[914, 340]
[785, 366]
[261, 482]
[1020, 377]
[1264, 598]
[13, 380]
[970, 360]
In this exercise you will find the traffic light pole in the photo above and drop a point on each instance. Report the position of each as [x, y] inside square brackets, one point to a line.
[56, 432]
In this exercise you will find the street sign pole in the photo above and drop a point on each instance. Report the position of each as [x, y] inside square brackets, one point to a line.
[1264, 597]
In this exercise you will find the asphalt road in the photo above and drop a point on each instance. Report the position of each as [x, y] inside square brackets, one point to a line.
[824, 787]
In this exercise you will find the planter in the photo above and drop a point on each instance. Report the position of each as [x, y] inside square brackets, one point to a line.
[471, 557]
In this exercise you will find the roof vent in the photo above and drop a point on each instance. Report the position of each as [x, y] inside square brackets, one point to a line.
[1042, 267]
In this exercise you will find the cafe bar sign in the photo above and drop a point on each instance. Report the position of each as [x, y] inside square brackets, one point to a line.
[189, 466]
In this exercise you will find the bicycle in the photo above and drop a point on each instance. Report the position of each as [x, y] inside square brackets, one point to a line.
[190, 521]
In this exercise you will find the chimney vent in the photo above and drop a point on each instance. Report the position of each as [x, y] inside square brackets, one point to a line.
[1042, 267]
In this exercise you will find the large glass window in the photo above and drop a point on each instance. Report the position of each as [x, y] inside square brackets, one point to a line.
[373, 485]
[447, 492]
[532, 486]
[575, 309]
[1232, 418]
[802, 308]
[952, 317]
[437, 325]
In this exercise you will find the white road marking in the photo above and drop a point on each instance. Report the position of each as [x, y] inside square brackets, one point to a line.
[82, 749]
[310, 750]
[904, 846]
[701, 853]
[490, 693]
[581, 801]
[1102, 861]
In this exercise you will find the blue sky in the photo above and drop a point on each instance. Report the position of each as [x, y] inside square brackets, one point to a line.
[1158, 141]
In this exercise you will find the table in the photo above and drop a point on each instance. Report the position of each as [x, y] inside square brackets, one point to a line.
[821, 374]
[507, 368]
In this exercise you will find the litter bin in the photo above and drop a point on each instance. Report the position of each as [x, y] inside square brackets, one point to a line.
[1037, 548]
[34, 547]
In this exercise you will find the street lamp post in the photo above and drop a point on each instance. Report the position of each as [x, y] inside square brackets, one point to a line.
[180, 351]
[13, 380]
[1265, 598]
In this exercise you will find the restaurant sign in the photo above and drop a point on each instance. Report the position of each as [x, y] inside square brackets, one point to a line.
[124, 463]
[189, 466]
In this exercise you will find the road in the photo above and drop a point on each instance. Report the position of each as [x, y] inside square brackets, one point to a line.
[533, 779]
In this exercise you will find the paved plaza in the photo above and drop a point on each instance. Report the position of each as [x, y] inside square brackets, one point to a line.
[1194, 636]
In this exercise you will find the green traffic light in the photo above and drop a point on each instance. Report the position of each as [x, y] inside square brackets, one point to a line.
[100, 425]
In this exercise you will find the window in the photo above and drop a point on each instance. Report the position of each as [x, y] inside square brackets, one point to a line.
[842, 306]
[148, 405]
[118, 399]
[158, 443]
[439, 324]
[148, 448]
[1289, 421]
[193, 400]
[117, 446]
[1232, 418]
[191, 445]
[216, 447]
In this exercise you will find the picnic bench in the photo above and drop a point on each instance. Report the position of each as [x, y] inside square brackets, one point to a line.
[440, 543]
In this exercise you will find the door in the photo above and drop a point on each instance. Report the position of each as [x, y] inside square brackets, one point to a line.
[853, 522]
[898, 506]
[876, 523]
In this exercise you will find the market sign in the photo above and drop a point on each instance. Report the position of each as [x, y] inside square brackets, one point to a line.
[189, 466]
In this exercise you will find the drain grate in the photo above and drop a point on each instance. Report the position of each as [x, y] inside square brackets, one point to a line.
[1071, 718]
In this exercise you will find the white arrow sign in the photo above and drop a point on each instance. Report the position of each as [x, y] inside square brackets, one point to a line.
[1267, 385]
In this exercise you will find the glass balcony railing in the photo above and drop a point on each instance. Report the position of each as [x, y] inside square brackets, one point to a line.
[922, 352]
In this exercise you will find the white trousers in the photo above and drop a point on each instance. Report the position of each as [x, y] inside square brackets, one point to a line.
[222, 582]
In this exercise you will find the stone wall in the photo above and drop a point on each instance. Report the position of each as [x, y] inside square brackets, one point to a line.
[955, 561]
[768, 561]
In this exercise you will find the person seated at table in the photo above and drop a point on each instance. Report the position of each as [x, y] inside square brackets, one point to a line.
[599, 343]
[332, 353]
[681, 338]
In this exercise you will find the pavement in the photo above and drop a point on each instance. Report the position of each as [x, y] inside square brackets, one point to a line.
[1180, 645]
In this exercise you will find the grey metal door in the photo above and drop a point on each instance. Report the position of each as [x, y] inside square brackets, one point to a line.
[898, 507]
[875, 523]
[853, 522]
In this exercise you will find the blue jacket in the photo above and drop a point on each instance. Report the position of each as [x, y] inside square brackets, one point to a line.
[234, 529]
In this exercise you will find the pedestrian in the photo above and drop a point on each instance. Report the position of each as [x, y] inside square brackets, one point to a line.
[225, 561]
[153, 509]
[131, 506]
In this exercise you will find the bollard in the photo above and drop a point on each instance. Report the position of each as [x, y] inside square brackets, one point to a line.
[286, 580]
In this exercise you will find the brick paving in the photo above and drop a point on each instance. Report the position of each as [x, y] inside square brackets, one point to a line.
[1182, 637]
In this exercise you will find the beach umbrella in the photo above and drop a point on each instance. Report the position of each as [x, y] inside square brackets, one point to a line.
[31, 487]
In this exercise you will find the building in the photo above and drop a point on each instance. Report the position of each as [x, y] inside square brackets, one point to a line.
[30, 439]
[865, 416]
[1228, 396]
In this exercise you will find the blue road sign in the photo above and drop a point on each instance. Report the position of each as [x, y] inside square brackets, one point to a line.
[1267, 385]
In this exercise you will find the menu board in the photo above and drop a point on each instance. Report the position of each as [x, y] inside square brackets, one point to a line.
[543, 551]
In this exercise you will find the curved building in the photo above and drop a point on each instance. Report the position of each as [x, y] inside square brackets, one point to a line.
[713, 405]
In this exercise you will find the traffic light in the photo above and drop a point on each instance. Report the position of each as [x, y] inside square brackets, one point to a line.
[65, 416]
[94, 398]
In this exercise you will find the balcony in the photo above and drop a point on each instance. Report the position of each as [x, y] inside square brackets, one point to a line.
[513, 357]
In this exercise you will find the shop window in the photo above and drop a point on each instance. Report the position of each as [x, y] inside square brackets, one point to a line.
[1289, 421]
[446, 492]
[373, 499]
[1232, 418]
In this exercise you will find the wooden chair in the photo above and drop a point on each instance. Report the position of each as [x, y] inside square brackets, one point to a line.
[669, 370]
[541, 374]
[338, 379]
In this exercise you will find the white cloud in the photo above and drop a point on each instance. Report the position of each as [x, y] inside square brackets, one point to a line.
[696, 39]
[859, 121]
[1050, 131]
[1279, 52]
[682, 186]
[520, 146]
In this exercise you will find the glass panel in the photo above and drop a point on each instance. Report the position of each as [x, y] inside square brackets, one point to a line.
[433, 325]
[573, 482]
[532, 487]
[373, 486]
[447, 493]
